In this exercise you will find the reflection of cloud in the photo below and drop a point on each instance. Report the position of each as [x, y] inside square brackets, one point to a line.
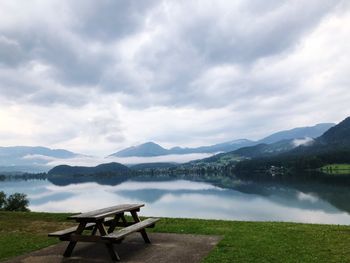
[238, 208]
[307, 197]
[213, 204]
[82, 202]
[133, 186]
[169, 185]
[88, 196]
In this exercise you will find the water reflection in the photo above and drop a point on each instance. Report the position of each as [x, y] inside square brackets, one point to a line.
[248, 198]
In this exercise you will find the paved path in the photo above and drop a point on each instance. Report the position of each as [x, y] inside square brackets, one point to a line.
[167, 248]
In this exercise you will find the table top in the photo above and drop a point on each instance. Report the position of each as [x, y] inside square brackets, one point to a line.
[102, 213]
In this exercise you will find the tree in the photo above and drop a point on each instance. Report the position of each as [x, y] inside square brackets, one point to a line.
[2, 200]
[17, 202]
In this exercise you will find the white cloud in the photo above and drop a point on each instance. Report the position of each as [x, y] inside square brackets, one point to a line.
[303, 141]
[108, 74]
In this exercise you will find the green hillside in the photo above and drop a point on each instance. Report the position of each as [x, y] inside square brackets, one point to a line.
[107, 168]
[333, 147]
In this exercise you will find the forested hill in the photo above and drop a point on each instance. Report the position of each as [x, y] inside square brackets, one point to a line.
[337, 136]
[332, 147]
[107, 168]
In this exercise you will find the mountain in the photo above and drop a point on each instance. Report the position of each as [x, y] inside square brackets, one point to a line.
[264, 149]
[21, 151]
[301, 132]
[330, 148]
[30, 159]
[107, 168]
[259, 150]
[221, 147]
[146, 149]
[335, 139]
[288, 142]
[338, 135]
[150, 149]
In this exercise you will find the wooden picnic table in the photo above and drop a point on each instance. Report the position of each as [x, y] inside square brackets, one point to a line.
[105, 221]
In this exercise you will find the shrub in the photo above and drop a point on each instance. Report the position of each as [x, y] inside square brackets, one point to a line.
[17, 202]
[2, 200]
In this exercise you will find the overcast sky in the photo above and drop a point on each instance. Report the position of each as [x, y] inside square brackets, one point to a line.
[97, 76]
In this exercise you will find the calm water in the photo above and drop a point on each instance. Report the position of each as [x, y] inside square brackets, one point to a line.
[311, 202]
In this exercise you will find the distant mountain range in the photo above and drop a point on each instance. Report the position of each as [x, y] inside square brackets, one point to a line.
[36, 159]
[151, 149]
[27, 158]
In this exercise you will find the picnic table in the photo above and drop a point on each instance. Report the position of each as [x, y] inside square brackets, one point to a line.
[111, 224]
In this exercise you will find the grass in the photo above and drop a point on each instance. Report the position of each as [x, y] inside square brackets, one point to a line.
[242, 241]
[22, 232]
[336, 169]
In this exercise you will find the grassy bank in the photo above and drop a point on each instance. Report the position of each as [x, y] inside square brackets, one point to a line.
[242, 241]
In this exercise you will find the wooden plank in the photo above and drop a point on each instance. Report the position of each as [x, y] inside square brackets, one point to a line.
[101, 213]
[113, 223]
[131, 229]
[114, 255]
[121, 224]
[71, 245]
[142, 231]
[82, 238]
[69, 230]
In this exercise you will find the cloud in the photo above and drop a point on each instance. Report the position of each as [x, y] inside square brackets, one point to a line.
[118, 73]
[10, 52]
[303, 141]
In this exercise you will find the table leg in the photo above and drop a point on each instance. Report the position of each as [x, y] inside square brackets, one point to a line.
[114, 223]
[94, 230]
[124, 220]
[114, 255]
[71, 245]
[143, 231]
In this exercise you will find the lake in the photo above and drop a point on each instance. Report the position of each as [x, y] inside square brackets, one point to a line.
[234, 199]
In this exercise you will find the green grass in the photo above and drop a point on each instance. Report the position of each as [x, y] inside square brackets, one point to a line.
[242, 241]
[22, 232]
[336, 169]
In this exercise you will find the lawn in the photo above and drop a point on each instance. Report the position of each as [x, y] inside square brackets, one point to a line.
[242, 241]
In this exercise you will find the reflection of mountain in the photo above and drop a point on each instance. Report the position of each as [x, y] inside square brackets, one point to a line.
[288, 196]
[102, 180]
[330, 189]
[154, 195]
[309, 193]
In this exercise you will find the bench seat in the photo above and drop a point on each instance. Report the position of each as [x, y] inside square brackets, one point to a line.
[71, 230]
[121, 233]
